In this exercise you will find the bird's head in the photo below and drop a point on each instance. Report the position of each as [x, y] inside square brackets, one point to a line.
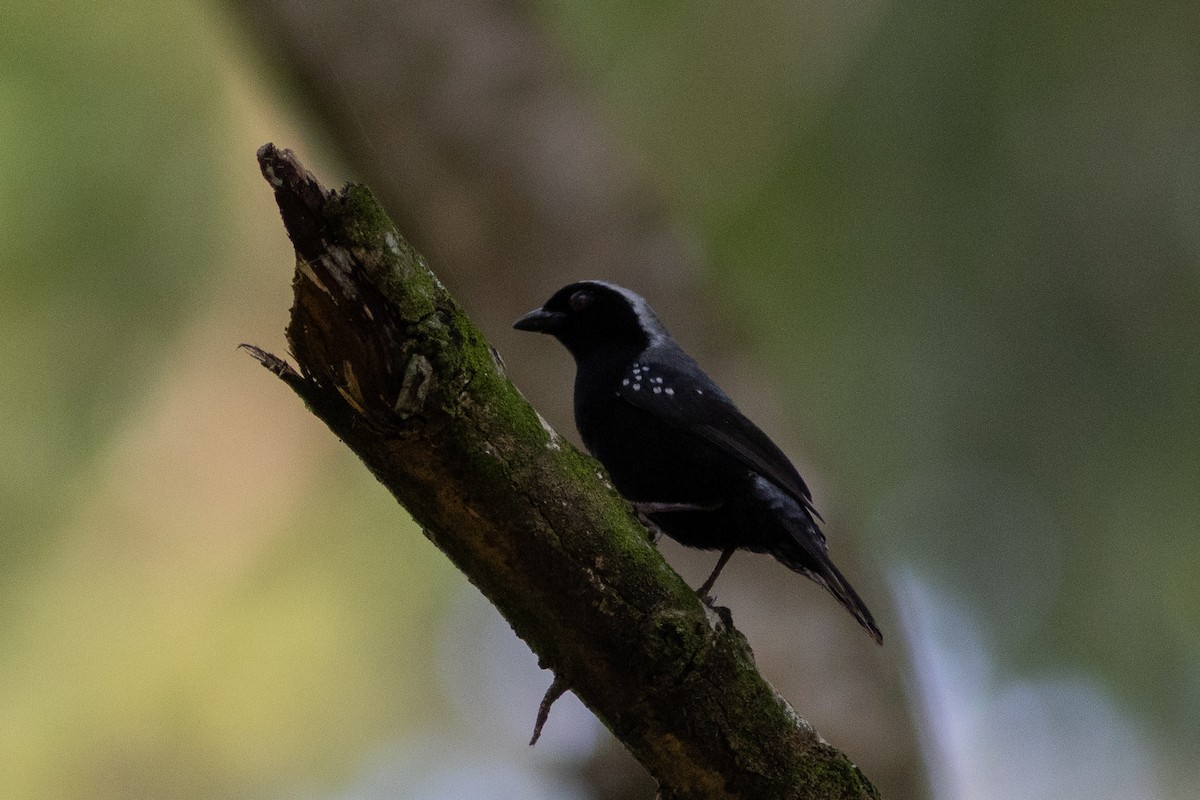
[591, 315]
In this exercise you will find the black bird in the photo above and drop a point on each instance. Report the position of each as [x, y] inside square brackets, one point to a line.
[676, 446]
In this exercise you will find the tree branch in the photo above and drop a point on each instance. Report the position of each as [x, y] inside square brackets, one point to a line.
[397, 371]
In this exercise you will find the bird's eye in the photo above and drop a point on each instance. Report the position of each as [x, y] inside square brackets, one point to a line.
[581, 300]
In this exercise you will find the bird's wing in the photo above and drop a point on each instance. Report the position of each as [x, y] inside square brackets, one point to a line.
[671, 386]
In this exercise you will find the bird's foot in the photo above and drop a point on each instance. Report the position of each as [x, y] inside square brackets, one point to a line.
[667, 508]
[649, 524]
[644, 510]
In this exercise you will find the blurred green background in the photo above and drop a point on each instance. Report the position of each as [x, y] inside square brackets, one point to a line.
[963, 239]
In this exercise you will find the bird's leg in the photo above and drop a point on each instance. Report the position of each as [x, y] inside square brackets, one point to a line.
[644, 518]
[666, 508]
[708, 584]
[644, 510]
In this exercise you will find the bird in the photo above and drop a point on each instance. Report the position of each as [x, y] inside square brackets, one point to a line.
[677, 447]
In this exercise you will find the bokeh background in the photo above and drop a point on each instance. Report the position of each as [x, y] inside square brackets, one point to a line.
[948, 253]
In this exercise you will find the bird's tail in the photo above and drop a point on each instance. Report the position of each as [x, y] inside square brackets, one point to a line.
[810, 558]
[836, 584]
[802, 549]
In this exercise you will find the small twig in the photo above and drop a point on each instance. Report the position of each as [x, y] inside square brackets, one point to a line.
[557, 689]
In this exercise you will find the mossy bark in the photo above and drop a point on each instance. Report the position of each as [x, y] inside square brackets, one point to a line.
[394, 367]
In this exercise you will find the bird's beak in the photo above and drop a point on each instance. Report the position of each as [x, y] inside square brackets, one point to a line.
[540, 320]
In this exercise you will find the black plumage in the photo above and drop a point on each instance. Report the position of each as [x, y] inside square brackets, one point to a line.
[675, 444]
